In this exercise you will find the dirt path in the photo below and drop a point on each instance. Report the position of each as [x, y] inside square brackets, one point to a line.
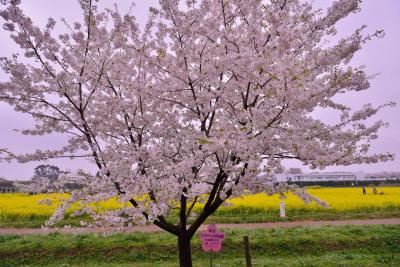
[153, 228]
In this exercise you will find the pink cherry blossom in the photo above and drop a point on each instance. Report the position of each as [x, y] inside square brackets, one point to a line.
[189, 109]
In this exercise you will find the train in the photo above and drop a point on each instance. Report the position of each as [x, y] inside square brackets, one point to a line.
[337, 179]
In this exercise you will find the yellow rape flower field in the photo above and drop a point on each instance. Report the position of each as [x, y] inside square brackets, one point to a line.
[23, 210]
[339, 199]
[344, 203]
[29, 205]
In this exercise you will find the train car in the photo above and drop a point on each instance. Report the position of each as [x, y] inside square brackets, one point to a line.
[338, 179]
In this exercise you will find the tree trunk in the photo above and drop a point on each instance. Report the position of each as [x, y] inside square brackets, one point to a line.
[185, 255]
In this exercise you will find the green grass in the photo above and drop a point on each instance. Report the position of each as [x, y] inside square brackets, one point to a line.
[236, 215]
[246, 215]
[36, 221]
[374, 245]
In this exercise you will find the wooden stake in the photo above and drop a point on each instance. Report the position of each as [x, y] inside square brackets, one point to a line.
[282, 212]
[247, 250]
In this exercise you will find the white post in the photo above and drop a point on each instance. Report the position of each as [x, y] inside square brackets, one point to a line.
[282, 212]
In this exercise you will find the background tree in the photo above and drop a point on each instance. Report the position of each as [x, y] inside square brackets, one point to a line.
[187, 110]
[50, 172]
[44, 180]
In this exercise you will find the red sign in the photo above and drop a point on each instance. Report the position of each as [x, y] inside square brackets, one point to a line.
[211, 238]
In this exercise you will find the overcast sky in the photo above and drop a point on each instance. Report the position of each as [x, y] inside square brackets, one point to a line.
[379, 56]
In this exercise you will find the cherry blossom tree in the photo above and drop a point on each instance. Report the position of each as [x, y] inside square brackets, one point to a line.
[198, 106]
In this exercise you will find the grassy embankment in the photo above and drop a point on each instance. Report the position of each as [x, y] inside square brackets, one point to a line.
[17, 210]
[324, 246]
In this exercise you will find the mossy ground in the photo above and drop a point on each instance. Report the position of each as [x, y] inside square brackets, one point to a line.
[373, 245]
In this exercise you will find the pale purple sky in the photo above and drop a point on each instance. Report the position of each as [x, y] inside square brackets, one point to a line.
[379, 56]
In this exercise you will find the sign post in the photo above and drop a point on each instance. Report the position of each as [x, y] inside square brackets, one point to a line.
[211, 240]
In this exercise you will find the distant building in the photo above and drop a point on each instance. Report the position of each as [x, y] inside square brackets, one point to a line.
[7, 186]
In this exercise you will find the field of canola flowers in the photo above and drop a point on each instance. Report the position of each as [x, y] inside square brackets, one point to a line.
[350, 201]
[339, 199]
[19, 209]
